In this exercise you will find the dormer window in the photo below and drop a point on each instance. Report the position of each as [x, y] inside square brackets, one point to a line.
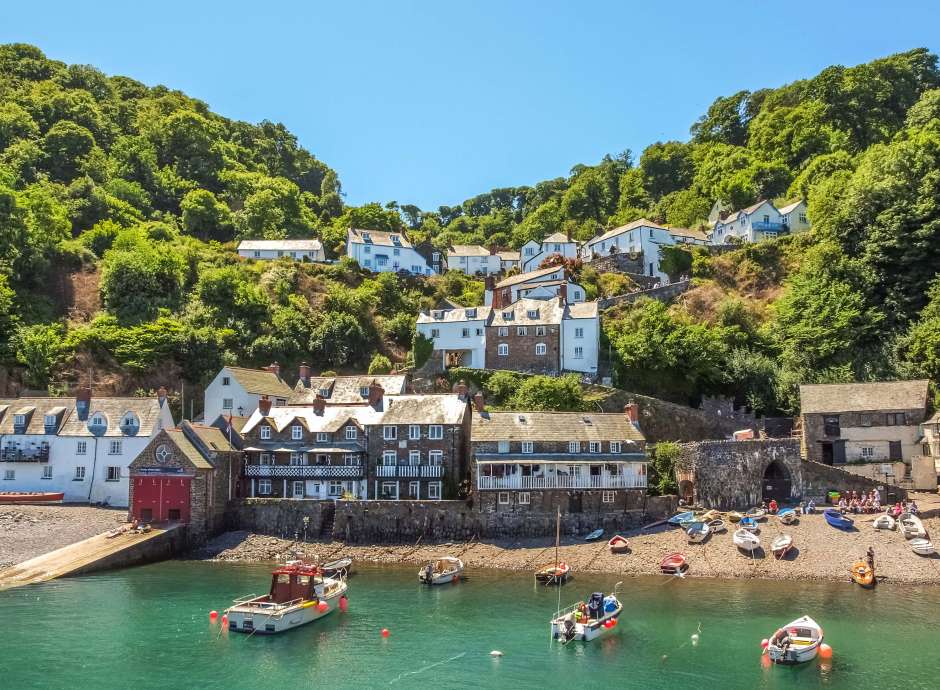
[296, 432]
[438, 314]
[471, 313]
[508, 315]
[395, 239]
[19, 420]
[324, 392]
[265, 432]
[364, 391]
[533, 313]
[366, 237]
[98, 423]
[50, 421]
[130, 424]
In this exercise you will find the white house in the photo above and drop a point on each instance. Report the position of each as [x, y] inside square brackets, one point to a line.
[641, 236]
[81, 447]
[472, 259]
[761, 221]
[533, 253]
[508, 260]
[311, 250]
[459, 334]
[580, 338]
[794, 216]
[382, 252]
[543, 283]
[236, 391]
[688, 236]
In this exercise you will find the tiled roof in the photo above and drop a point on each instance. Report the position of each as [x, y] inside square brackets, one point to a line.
[146, 409]
[260, 382]
[424, 409]
[688, 232]
[378, 238]
[35, 410]
[332, 419]
[283, 245]
[450, 315]
[558, 237]
[789, 207]
[188, 449]
[583, 310]
[553, 426]
[863, 397]
[467, 250]
[526, 277]
[640, 223]
[549, 311]
[344, 390]
[508, 256]
[212, 437]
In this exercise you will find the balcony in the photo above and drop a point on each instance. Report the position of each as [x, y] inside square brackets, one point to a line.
[562, 481]
[38, 454]
[306, 471]
[410, 471]
[766, 226]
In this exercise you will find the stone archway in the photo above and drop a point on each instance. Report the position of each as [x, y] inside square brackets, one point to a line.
[776, 483]
[686, 491]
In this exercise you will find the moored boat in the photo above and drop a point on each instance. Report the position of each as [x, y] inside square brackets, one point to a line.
[586, 621]
[673, 564]
[441, 571]
[339, 567]
[781, 545]
[717, 526]
[555, 574]
[748, 523]
[745, 540]
[883, 522]
[922, 547]
[300, 594]
[837, 519]
[698, 532]
[757, 513]
[735, 516]
[618, 544]
[682, 518]
[787, 516]
[31, 496]
[862, 574]
[710, 515]
[595, 535]
[911, 526]
[796, 642]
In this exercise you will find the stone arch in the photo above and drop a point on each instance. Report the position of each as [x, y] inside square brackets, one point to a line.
[777, 482]
[687, 490]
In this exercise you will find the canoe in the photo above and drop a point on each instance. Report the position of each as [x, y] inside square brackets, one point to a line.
[596, 534]
[618, 544]
[781, 545]
[556, 574]
[911, 526]
[922, 547]
[796, 642]
[681, 518]
[862, 574]
[748, 523]
[673, 564]
[744, 540]
[698, 532]
[717, 526]
[787, 516]
[341, 567]
[757, 513]
[734, 516]
[837, 519]
[883, 522]
[31, 496]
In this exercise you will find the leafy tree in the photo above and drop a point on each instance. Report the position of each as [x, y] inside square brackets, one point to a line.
[666, 167]
[206, 217]
[15, 123]
[675, 261]
[563, 393]
[38, 348]
[380, 364]
[665, 455]
[67, 145]
[137, 282]
[422, 347]
[339, 339]
[725, 122]
[920, 347]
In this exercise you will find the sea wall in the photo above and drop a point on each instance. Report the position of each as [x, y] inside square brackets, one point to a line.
[819, 479]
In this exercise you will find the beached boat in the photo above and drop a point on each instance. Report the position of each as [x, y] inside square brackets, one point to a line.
[300, 594]
[757, 513]
[781, 545]
[31, 496]
[796, 642]
[710, 515]
[555, 574]
[787, 516]
[441, 571]
[735, 516]
[682, 518]
[586, 621]
[698, 532]
[911, 526]
[922, 547]
[673, 564]
[744, 540]
[618, 544]
[717, 526]
[862, 574]
[883, 522]
[595, 535]
[748, 523]
[339, 567]
[837, 519]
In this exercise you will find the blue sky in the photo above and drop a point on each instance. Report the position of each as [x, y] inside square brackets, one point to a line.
[433, 102]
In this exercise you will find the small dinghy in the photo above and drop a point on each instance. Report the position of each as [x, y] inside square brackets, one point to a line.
[787, 516]
[682, 518]
[781, 546]
[698, 532]
[24, 497]
[717, 526]
[862, 574]
[922, 547]
[757, 513]
[441, 571]
[595, 535]
[618, 544]
[710, 515]
[586, 621]
[911, 526]
[748, 523]
[673, 564]
[341, 567]
[796, 642]
[553, 574]
[746, 541]
[735, 516]
[837, 519]
[883, 522]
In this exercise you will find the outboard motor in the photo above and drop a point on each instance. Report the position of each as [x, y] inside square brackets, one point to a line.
[596, 605]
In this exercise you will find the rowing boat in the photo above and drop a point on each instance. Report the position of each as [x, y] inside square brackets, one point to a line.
[781, 545]
[618, 544]
[837, 519]
[862, 574]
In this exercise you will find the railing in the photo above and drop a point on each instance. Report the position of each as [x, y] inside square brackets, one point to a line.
[304, 471]
[560, 481]
[423, 471]
[768, 226]
[40, 454]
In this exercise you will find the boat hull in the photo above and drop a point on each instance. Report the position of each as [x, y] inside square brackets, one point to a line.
[803, 646]
[673, 564]
[837, 520]
[442, 577]
[255, 620]
[553, 576]
[586, 632]
[32, 497]
[791, 655]
[787, 517]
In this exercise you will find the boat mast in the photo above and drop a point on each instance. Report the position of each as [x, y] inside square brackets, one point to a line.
[557, 532]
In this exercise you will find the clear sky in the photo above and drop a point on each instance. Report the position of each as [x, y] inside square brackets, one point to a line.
[433, 102]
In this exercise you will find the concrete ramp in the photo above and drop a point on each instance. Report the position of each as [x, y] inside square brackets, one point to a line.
[95, 553]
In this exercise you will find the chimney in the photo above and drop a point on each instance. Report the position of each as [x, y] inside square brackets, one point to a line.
[478, 402]
[461, 390]
[303, 372]
[489, 283]
[632, 410]
[376, 392]
[274, 368]
[319, 404]
[264, 406]
[83, 402]
[493, 249]
[161, 396]
[563, 293]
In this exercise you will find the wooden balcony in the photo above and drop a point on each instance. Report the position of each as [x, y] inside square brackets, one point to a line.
[306, 471]
[410, 471]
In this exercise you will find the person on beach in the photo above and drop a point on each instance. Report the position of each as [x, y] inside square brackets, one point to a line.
[772, 506]
[870, 557]
[843, 506]
[912, 508]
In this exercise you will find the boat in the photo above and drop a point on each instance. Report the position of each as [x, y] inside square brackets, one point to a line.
[441, 571]
[555, 574]
[586, 621]
[837, 519]
[787, 516]
[673, 564]
[922, 547]
[595, 535]
[735, 516]
[618, 544]
[862, 574]
[682, 518]
[341, 567]
[911, 526]
[749, 523]
[710, 515]
[757, 513]
[717, 526]
[883, 522]
[796, 642]
[745, 540]
[300, 594]
[698, 532]
[31, 496]
[781, 545]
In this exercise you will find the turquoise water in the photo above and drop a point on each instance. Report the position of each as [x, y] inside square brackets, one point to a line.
[148, 627]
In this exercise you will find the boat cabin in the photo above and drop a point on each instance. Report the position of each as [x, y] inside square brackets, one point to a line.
[295, 581]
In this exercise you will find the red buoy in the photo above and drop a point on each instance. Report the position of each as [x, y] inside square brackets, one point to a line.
[224, 620]
[213, 615]
[323, 607]
[385, 632]
[343, 604]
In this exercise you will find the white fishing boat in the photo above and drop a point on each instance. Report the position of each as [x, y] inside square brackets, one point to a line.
[911, 526]
[586, 621]
[683, 519]
[757, 514]
[441, 571]
[787, 516]
[300, 594]
[883, 522]
[745, 540]
[717, 526]
[922, 547]
[698, 532]
[781, 545]
[340, 567]
[796, 642]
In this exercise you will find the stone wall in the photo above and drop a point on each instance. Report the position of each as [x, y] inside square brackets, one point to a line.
[522, 355]
[819, 479]
[619, 263]
[276, 516]
[663, 293]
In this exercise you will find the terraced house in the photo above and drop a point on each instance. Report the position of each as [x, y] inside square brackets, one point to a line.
[342, 390]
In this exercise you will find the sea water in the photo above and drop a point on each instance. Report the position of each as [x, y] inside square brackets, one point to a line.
[149, 627]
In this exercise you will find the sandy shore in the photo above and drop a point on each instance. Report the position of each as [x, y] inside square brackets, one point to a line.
[821, 553]
[29, 531]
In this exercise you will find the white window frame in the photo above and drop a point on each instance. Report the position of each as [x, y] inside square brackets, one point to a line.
[502, 446]
[574, 446]
[46, 472]
[79, 475]
[389, 432]
[414, 432]
[112, 473]
[540, 349]
[503, 331]
[351, 433]
[523, 498]
[298, 494]
[389, 458]
[608, 496]
[464, 332]
[868, 452]
[579, 353]
[434, 491]
[322, 437]
[81, 448]
[265, 432]
[540, 330]
[435, 432]
[414, 490]
[115, 448]
[528, 447]
[503, 498]
[264, 487]
[579, 332]
[522, 330]
[615, 447]
[594, 446]
[502, 350]
[228, 403]
[436, 458]
[334, 488]
[266, 459]
[414, 457]
[383, 492]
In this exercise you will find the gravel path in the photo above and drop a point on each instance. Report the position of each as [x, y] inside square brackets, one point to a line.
[29, 531]
[821, 553]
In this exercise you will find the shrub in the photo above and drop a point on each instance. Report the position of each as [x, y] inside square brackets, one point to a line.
[380, 364]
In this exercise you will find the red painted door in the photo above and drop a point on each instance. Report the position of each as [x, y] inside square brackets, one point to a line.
[160, 498]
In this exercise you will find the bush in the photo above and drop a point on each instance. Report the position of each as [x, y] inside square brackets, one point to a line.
[380, 364]
[548, 393]
[38, 348]
[422, 347]
[663, 475]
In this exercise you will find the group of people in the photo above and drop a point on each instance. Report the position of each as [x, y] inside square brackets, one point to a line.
[852, 502]
[900, 508]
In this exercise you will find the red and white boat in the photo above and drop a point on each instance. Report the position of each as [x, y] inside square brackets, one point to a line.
[31, 496]
[556, 574]
[618, 544]
[300, 594]
[673, 564]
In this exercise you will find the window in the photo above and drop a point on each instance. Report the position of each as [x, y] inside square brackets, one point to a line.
[265, 432]
[9, 475]
[607, 497]
[296, 432]
[79, 474]
[389, 433]
[578, 332]
[540, 349]
[522, 330]
[390, 458]
[895, 419]
[414, 457]
[50, 420]
[322, 437]
[508, 315]
[803, 218]
[579, 353]
[114, 448]
[530, 251]
[368, 250]
[502, 350]
[335, 488]
[533, 313]
[504, 498]
[574, 446]
[464, 332]
[831, 426]
[557, 248]
[264, 486]
[227, 403]
[503, 331]
[266, 459]
[436, 458]
[540, 330]
[298, 490]
[351, 460]
[615, 446]
[479, 331]
[594, 446]
[868, 452]
[297, 459]
[527, 446]
[47, 472]
[414, 431]
[577, 294]
[502, 446]
[19, 420]
[471, 313]
[865, 419]
[435, 332]
[81, 448]
[324, 392]
[434, 491]
[413, 490]
[435, 432]
[390, 490]
[114, 473]
[524, 498]
[351, 433]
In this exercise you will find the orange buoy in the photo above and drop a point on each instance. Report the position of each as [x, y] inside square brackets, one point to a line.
[385, 632]
[764, 644]
[224, 619]
[213, 615]
[825, 651]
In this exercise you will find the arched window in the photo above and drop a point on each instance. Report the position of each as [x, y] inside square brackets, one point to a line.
[97, 423]
[130, 423]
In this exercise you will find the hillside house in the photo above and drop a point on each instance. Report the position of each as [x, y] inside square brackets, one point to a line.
[533, 253]
[508, 260]
[342, 390]
[761, 221]
[382, 252]
[267, 250]
[459, 335]
[236, 391]
[543, 283]
[688, 236]
[641, 238]
[473, 259]
[794, 217]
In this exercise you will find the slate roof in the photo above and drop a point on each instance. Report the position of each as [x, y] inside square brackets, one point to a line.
[526, 277]
[344, 390]
[789, 207]
[211, 436]
[509, 256]
[460, 314]
[640, 223]
[558, 237]
[378, 238]
[424, 409]
[863, 397]
[146, 409]
[35, 410]
[550, 311]
[583, 310]
[283, 245]
[688, 232]
[260, 382]
[467, 250]
[554, 426]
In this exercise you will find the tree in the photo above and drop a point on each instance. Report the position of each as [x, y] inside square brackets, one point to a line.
[725, 122]
[206, 217]
[549, 393]
[675, 261]
[15, 123]
[38, 348]
[380, 364]
[66, 146]
[339, 339]
[666, 167]
[137, 282]
[920, 347]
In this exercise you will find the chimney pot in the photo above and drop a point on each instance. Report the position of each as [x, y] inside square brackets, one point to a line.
[479, 402]
[274, 368]
[303, 372]
[376, 392]
[632, 410]
[319, 404]
[83, 402]
[563, 293]
[264, 405]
